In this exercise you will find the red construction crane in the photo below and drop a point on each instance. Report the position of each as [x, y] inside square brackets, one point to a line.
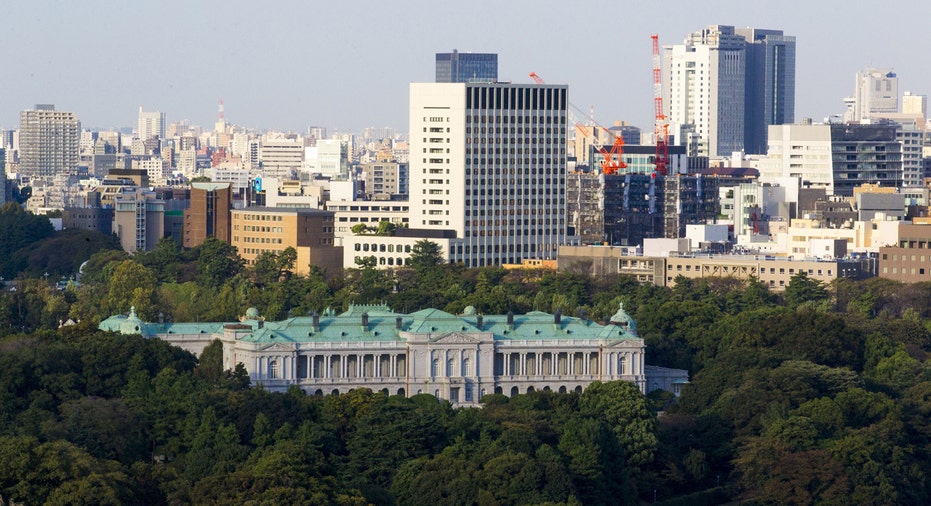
[610, 164]
[661, 126]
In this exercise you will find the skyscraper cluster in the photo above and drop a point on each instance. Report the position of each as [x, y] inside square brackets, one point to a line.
[725, 86]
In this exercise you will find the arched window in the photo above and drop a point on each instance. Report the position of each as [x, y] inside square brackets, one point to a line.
[435, 370]
[466, 367]
[450, 367]
[622, 365]
[273, 369]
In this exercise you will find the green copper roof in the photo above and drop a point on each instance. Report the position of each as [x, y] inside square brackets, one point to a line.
[383, 325]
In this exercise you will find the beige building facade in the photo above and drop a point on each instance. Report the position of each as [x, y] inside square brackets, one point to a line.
[774, 272]
[256, 230]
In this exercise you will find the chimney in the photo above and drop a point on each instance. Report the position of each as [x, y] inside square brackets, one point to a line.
[365, 322]
[316, 319]
[478, 321]
[161, 318]
[399, 323]
[510, 319]
[583, 316]
[557, 317]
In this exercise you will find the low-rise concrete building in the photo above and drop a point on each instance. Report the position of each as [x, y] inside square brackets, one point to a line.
[774, 272]
[908, 260]
[256, 230]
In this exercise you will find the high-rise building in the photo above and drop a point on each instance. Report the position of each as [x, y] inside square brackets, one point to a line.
[209, 214]
[151, 124]
[49, 142]
[488, 164]
[459, 67]
[727, 85]
[769, 97]
[876, 92]
[705, 80]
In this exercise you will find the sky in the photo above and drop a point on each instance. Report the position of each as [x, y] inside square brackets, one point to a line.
[346, 64]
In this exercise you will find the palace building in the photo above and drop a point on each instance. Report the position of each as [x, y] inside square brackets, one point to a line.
[459, 358]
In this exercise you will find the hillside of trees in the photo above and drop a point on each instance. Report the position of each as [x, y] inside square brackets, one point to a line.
[818, 395]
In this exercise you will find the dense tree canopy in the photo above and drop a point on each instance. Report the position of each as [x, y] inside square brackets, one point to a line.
[816, 395]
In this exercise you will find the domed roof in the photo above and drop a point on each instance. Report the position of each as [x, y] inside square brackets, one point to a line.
[622, 319]
[252, 314]
[469, 311]
[132, 324]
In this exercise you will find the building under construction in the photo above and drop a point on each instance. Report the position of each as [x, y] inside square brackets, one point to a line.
[624, 209]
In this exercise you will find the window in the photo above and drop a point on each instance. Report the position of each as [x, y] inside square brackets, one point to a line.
[273, 369]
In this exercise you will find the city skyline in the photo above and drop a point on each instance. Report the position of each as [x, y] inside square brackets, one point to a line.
[347, 66]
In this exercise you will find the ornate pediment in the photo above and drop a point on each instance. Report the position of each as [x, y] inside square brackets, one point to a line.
[277, 347]
[626, 343]
[455, 338]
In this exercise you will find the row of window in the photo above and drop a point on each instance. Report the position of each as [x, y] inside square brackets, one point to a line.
[519, 130]
[259, 240]
[498, 223]
[261, 217]
[512, 233]
[512, 212]
[519, 119]
[383, 248]
[526, 181]
[386, 260]
[497, 171]
[772, 270]
[516, 202]
[513, 161]
[520, 140]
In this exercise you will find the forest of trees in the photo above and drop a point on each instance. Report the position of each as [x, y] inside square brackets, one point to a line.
[818, 395]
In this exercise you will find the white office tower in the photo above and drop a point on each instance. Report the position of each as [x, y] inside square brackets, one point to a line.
[799, 151]
[487, 163]
[281, 155]
[705, 80]
[151, 124]
[877, 92]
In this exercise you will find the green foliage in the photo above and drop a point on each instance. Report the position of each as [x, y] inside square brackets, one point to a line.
[825, 398]
[20, 231]
[63, 253]
[802, 289]
[217, 262]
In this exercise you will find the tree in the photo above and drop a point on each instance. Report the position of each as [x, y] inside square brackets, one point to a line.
[803, 289]
[132, 285]
[359, 229]
[625, 410]
[425, 254]
[63, 253]
[218, 262]
[19, 230]
[386, 228]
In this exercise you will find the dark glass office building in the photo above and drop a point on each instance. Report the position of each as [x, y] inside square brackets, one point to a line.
[459, 67]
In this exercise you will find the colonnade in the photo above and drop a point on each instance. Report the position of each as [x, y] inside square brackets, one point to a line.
[330, 365]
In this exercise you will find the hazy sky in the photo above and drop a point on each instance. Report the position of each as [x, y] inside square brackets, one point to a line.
[346, 64]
